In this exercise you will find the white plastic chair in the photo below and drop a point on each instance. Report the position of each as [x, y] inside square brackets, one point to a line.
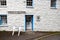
[19, 30]
[13, 30]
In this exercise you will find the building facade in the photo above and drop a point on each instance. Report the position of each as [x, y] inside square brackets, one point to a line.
[32, 15]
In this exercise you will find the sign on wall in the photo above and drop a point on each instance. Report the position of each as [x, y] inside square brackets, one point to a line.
[38, 18]
[16, 12]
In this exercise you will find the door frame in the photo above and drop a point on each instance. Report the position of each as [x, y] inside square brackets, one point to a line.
[32, 22]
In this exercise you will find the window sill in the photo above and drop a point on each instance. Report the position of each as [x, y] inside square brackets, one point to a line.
[29, 6]
[53, 8]
[3, 6]
[4, 25]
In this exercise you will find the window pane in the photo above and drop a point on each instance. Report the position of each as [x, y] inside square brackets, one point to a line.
[29, 2]
[53, 3]
[3, 2]
[3, 19]
[0, 20]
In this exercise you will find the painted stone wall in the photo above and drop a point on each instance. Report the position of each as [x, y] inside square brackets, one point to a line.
[49, 18]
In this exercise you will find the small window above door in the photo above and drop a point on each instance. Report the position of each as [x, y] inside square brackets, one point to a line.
[3, 3]
[29, 3]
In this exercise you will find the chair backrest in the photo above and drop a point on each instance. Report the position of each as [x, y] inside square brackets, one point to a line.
[14, 27]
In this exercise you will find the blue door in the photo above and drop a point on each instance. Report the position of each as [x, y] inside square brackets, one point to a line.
[28, 22]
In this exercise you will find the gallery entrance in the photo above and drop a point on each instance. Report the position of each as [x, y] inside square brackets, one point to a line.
[28, 22]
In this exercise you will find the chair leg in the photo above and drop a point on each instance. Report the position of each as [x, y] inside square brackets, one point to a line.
[18, 33]
[13, 30]
[12, 33]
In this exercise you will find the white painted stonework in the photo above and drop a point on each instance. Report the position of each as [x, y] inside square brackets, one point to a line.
[49, 18]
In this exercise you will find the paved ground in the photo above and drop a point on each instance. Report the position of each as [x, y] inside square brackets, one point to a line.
[50, 36]
[27, 36]
[54, 37]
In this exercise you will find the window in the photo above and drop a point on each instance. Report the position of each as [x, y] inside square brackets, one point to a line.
[2, 3]
[3, 19]
[53, 3]
[29, 3]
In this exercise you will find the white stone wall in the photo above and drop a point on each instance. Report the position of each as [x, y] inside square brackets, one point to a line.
[49, 18]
